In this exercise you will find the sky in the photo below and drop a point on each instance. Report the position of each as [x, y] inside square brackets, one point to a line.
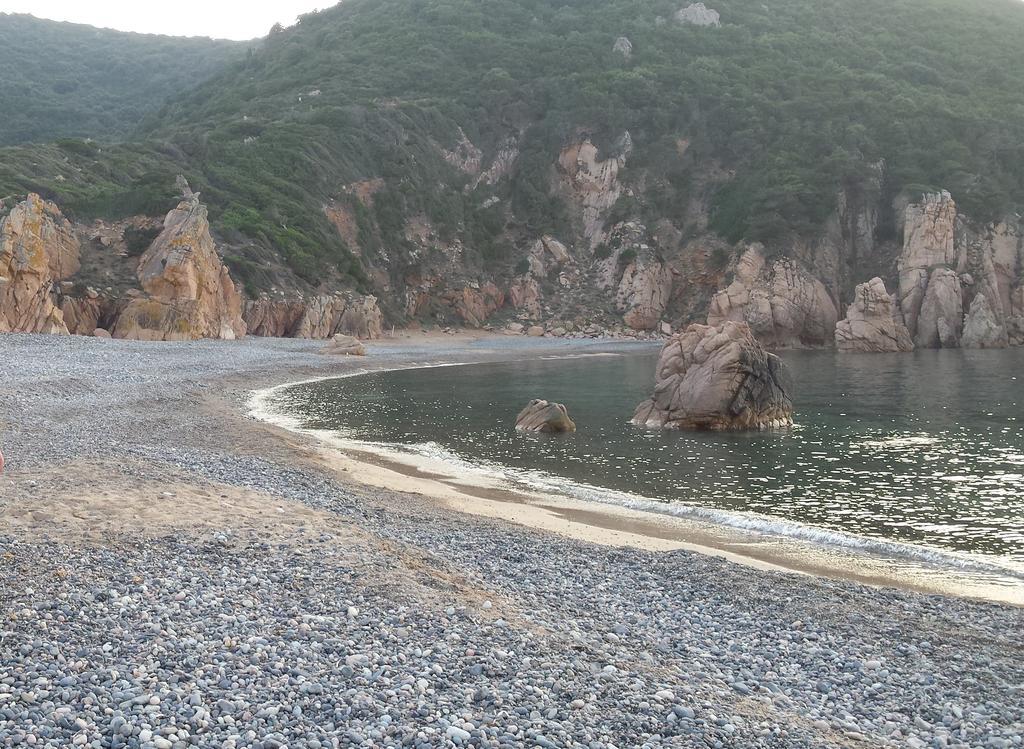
[221, 19]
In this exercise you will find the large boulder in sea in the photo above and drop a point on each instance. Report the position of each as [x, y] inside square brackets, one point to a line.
[545, 417]
[189, 292]
[718, 378]
[38, 248]
[873, 323]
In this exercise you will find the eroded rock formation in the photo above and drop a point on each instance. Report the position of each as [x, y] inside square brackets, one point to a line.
[38, 248]
[873, 322]
[344, 345]
[544, 417]
[940, 321]
[593, 183]
[637, 277]
[983, 328]
[929, 234]
[784, 305]
[189, 292]
[718, 378]
[316, 317]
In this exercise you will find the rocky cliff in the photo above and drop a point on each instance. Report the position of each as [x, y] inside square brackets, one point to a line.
[784, 305]
[38, 249]
[179, 289]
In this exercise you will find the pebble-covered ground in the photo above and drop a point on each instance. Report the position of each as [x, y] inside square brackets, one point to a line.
[300, 612]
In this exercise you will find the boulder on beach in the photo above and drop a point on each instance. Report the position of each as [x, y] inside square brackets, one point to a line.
[718, 378]
[545, 417]
[344, 345]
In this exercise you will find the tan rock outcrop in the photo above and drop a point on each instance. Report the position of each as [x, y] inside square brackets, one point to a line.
[940, 322]
[592, 184]
[189, 292]
[718, 378]
[344, 345]
[38, 248]
[524, 294]
[1006, 245]
[983, 328]
[636, 275]
[317, 317]
[929, 243]
[83, 315]
[784, 305]
[644, 291]
[475, 305]
[273, 318]
[872, 322]
[545, 418]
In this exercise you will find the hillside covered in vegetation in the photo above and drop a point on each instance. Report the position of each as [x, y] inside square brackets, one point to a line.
[64, 80]
[760, 122]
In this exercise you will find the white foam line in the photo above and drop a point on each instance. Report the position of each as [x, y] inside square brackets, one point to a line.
[261, 406]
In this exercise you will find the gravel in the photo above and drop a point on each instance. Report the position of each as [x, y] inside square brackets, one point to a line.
[414, 627]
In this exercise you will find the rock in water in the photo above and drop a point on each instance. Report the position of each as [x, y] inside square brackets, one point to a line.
[983, 329]
[872, 322]
[718, 378]
[344, 345]
[189, 292]
[542, 416]
[38, 248]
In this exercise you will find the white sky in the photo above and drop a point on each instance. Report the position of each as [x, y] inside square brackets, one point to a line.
[222, 19]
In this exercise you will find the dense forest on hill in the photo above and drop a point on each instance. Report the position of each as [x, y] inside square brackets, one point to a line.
[68, 80]
[791, 99]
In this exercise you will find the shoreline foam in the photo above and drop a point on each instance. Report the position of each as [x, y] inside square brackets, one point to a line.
[615, 518]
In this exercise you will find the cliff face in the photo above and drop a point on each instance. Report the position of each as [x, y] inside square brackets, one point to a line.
[784, 305]
[601, 273]
[38, 249]
[178, 290]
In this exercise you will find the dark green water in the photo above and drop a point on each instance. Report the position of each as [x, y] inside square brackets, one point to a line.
[926, 448]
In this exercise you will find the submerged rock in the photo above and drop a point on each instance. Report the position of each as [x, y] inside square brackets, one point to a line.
[544, 417]
[872, 322]
[718, 378]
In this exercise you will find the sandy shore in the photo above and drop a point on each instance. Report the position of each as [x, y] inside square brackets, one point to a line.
[174, 572]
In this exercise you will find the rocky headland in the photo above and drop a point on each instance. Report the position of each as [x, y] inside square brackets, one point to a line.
[954, 282]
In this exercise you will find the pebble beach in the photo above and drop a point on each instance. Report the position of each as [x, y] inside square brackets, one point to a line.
[175, 573]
